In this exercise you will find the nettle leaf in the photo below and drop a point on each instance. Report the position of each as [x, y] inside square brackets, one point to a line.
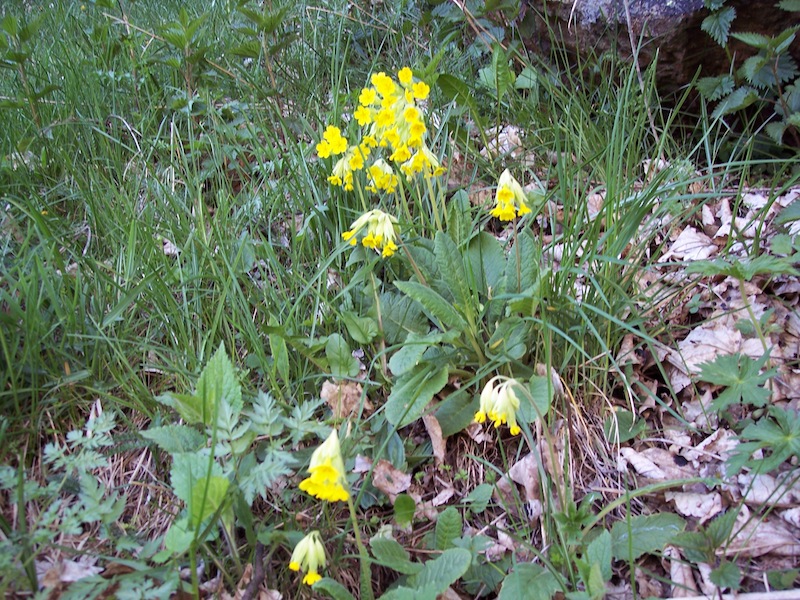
[755, 40]
[389, 553]
[598, 552]
[714, 88]
[740, 98]
[718, 24]
[448, 528]
[529, 581]
[434, 303]
[412, 393]
[644, 534]
[175, 439]
[765, 72]
[340, 357]
[741, 375]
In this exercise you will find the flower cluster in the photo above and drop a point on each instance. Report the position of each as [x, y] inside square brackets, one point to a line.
[499, 403]
[326, 479]
[380, 234]
[510, 199]
[309, 556]
[391, 119]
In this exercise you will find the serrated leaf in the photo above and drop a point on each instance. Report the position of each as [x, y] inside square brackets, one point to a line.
[598, 552]
[775, 131]
[442, 572]
[208, 494]
[448, 528]
[434, 303]
[718, 24]
[340, 358]
[390, 553]
[756, 40]
[735, 101]
[179, 537]
[187, 469]
[790, 213]
[257, 478]
[451, 267]
[740, 374]
[644, 534]
[175, 438]
[478, 499]
[727, 575]
[529, 581]
[413, 392]
[714, 88]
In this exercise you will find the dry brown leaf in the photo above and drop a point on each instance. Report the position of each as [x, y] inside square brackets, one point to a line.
[344, 398]
[690, 245]
[680, 573]
[701, 506]
[438, 443]
[756, 537]
[767, 490]
[444, 496]
[389, 480]
[67, 571]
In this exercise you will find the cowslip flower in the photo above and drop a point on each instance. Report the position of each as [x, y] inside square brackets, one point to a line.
[380, 233]
[332, 143]
[381, 177]
[309, 556]
[422, 161]
[499, 403]
[510, 199]
[326, 479]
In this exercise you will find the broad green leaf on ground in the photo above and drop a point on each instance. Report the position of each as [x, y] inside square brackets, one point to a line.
[434, 303]
[340, 358]
[362, 329]
[599, 552]
[389, 553]
[443, 571]
[412, 393]
[404, 508]
[333, 588]
[644, 534]
[175, 439]
[448, 528]
[529, 581]
[779, 435]
[457, 411]
[740, 374]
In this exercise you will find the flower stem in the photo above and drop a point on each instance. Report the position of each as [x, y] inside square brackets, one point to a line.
[366, 574]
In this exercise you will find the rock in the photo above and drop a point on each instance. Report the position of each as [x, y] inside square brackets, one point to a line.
[670, 28]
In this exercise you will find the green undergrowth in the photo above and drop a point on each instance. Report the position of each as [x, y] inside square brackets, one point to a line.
[177, 293]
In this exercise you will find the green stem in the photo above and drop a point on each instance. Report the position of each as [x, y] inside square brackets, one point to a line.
[756, 324]
[434, 205]
[366, 574]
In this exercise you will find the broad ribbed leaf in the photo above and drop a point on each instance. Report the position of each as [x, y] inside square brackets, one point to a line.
[437, 306]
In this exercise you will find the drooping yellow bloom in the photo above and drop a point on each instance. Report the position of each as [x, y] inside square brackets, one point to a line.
[499, 403]
[510, 199]
[326, 479]
[379, 232]
[423, 161]
[332, 142]
[382, 177]
[309, 556]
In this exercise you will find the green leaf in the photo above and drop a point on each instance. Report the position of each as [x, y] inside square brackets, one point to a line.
[448, 528]
[737, 100]
[789, 5]
[279, 352]
[333, 589]
[714, 88]
[789, 214]
[623, 426]
[457, 411]
[437, 306]
[362, 329]
[442, 572]
[528, 79]
[459, 222]
[718, 24]
[208, 494]
[401, 315]
[455, 89]
[756, 40]
[404, 508]
[537, 401]
[644, 534]
[188, 468]
[598, 552]
[179, 537]
[410, 354]
[741, 375]
[412, 393]
[487, 262]
[478, 499]
[451, 268]
[529, 581]
[508, 342]
[218, 385]
[779, 435]
[340, 358]
[522, 269]
[175, 439]
[726, 575]
[390, 553]
[744, 269]
[256, 478]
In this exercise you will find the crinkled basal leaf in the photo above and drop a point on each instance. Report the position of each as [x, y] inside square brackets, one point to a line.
[175, 439]
[413, 392]
[529, 581]
[439, 308]
[440, 573]
[508, 340]
[340, 357]
[448, 528]
[401, 315]
[487, 262]
[390, 553]
[644, 534]
[457, 411]
[536, 403]
[451, 268]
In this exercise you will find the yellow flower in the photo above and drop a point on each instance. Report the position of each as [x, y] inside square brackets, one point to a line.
[380, 234]
[332, 142]
[499, 403]
[420, 90]
[510, 199]
[423, 161]
[384, 84]
[382, 177]
[405, 75]
[309, 556]
[367, 96]
[326, 479]
[363, 115]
